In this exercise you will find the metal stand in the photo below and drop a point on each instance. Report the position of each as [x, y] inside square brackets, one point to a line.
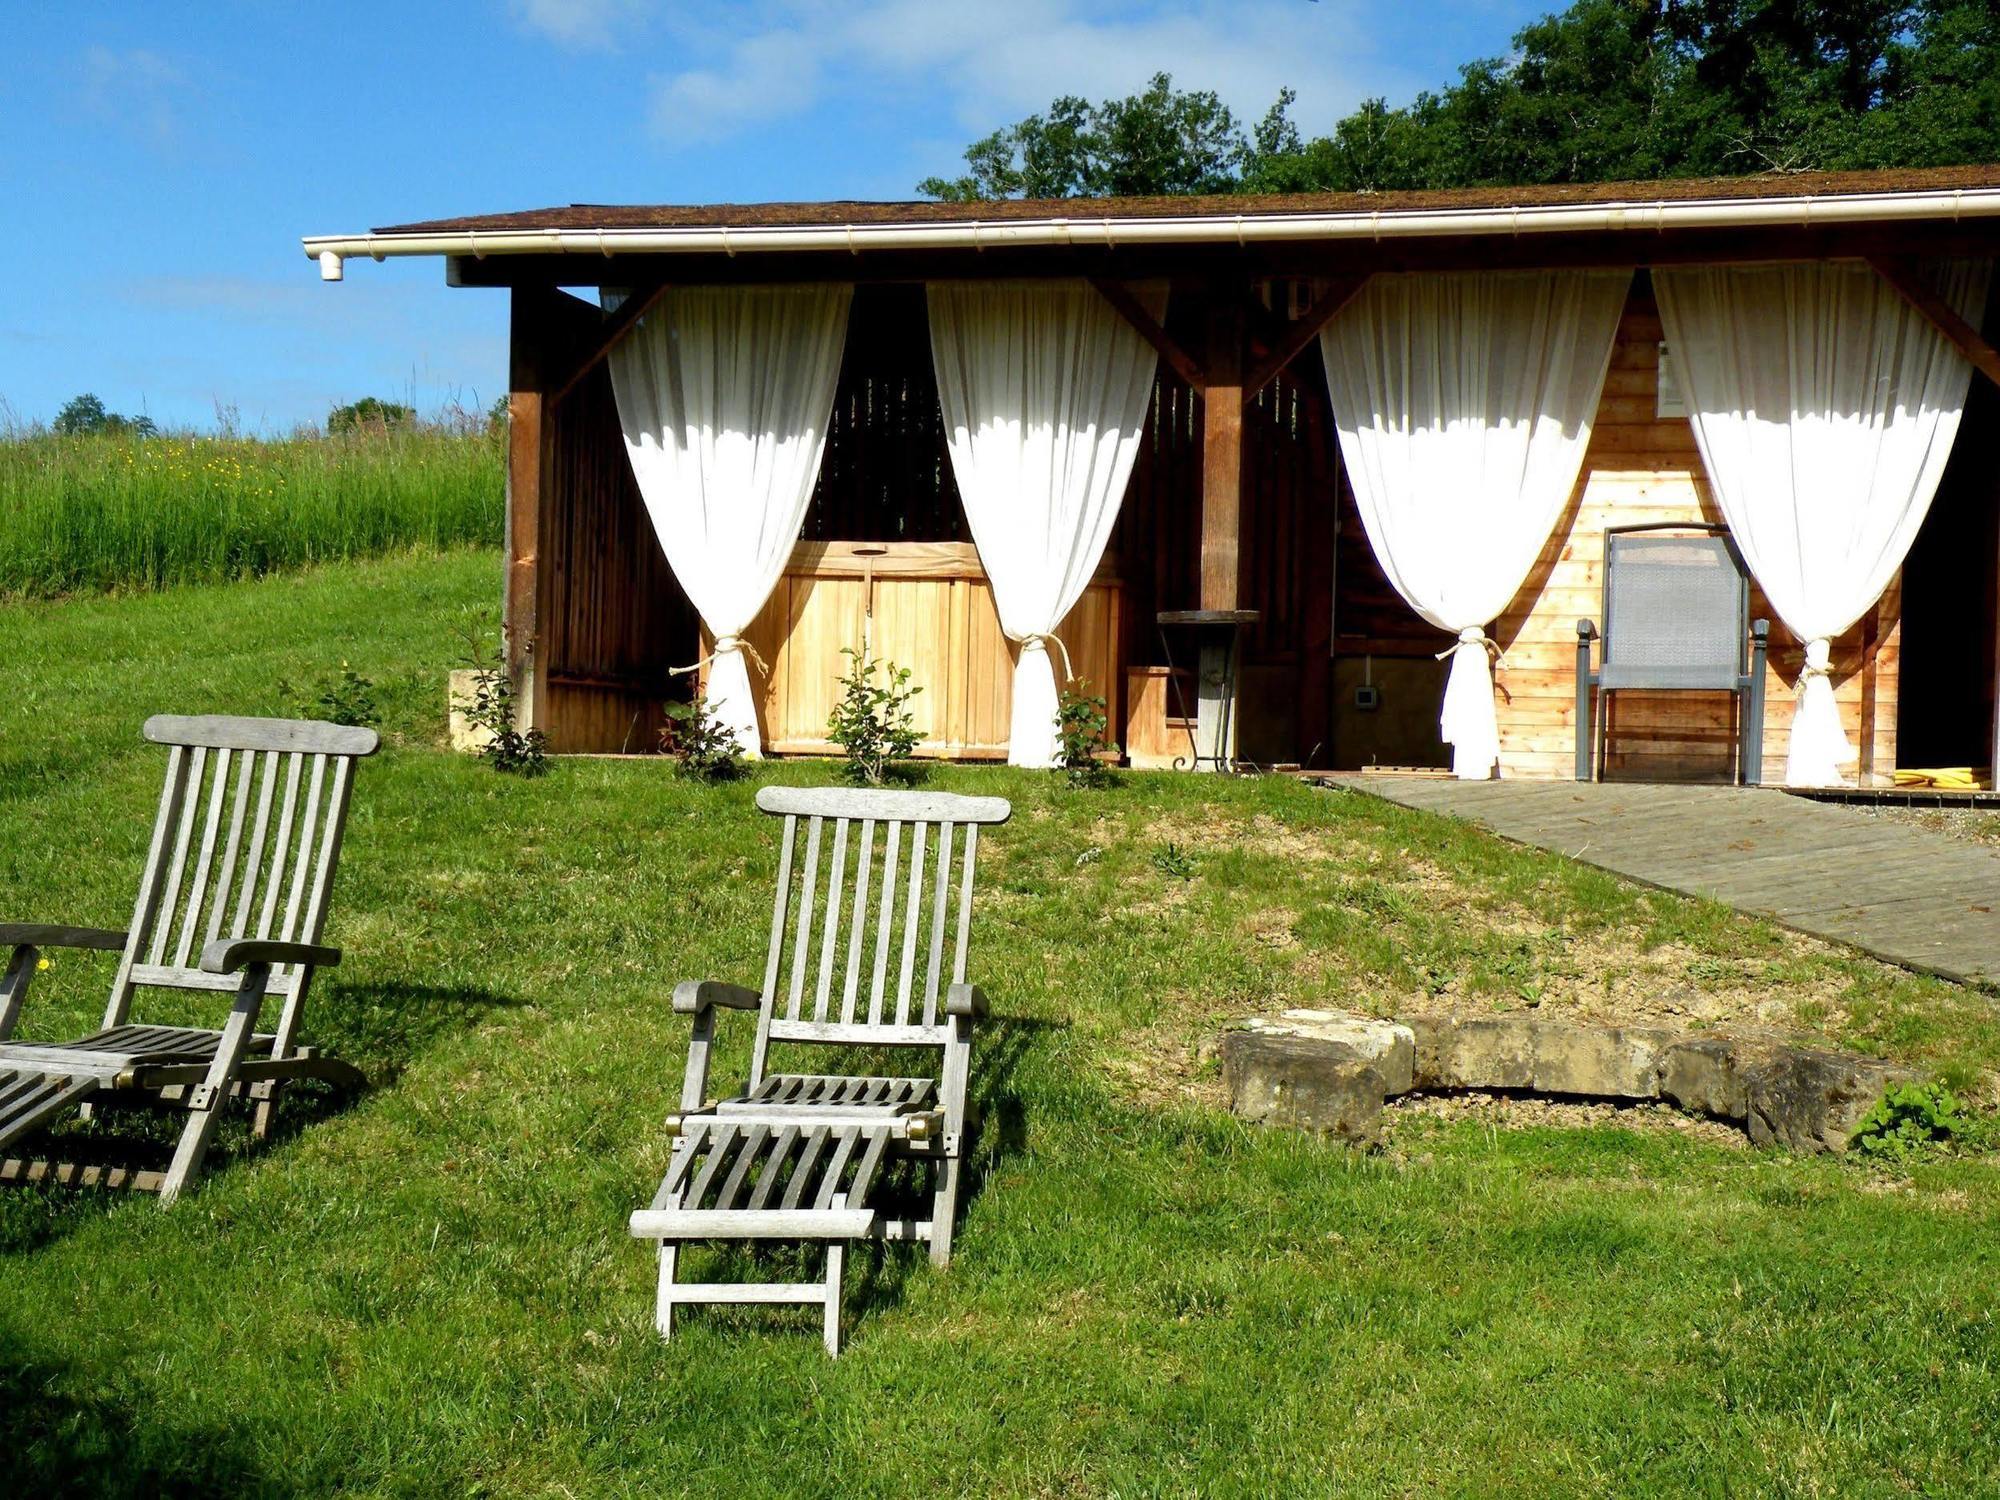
[1218, 645]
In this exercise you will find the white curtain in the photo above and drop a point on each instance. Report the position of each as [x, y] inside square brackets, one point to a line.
[1044, 387]
[724, 395]
[1824, 406]
[1464, 402]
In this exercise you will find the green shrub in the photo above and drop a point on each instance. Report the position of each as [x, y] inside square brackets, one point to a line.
[872, 721]
[1910, 1118]
[506, 749]
[346, 699]
[703, 750]
[1081, 728]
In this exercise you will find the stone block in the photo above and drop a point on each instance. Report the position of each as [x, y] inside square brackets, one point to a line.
[1546, 1057]
[1389, 1046]
[1598, 1062]
[1496, 1053]
[459, 690]
[1277, 1079]
[1705, 1075]
[1808, 1100]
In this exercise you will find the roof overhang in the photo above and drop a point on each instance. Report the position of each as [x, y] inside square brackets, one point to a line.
[1634, 215]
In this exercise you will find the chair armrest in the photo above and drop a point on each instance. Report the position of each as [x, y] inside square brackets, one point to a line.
[44, 935]
[967, 1000]
[227, 955]
[692, 996]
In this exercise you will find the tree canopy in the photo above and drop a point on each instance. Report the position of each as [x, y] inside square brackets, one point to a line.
[369, 412]
[1608, 89]
[86, 416]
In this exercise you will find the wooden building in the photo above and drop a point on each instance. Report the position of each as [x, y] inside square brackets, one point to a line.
[1239, 497]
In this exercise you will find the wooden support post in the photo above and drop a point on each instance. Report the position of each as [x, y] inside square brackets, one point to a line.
[1222, 455]
[530, 363]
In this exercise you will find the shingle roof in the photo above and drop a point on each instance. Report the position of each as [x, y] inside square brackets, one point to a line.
[838, 212]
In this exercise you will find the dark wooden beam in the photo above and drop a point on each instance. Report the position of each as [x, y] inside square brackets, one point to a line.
[616, 328]
[1914, 289]
[1132, 312]
[1222, 455]
[1189, 266]
[1301, 333]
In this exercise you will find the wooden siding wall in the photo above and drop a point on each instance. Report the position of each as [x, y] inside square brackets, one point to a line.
[613, 619]
[933, 613]
[1641, 468]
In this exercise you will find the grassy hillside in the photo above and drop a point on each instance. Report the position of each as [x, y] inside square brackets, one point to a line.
[95, 513]
[431, 1292]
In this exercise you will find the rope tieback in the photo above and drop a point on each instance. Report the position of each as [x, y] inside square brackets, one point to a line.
[1475, 635]
[724, 644]
[1043, 639]
[1819, 661]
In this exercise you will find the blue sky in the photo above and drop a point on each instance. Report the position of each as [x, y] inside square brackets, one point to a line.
[158, 163]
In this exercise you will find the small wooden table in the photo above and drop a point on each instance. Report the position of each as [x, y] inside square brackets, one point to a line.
[1218, 635]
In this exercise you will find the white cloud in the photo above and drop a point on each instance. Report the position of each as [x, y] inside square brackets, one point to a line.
[581, 24]
[997, 62]
[139, 90]
[766, 76]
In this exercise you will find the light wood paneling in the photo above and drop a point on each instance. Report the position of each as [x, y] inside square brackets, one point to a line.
[1644, 469]
[933, 613]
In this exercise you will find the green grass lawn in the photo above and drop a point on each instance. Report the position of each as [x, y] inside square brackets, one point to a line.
[430, 1290]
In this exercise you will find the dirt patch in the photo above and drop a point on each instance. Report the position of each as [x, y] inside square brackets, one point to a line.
[1507, 1112]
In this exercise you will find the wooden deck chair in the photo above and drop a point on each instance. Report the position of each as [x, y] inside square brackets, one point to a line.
[232, 901]
[858, 957]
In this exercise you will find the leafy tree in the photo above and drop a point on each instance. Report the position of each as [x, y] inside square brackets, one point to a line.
[368, 412]
[1607, 89]
[1163, 140]
[86, 416]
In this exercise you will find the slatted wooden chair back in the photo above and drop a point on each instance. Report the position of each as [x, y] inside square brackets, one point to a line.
[245, 846]
[872, 915]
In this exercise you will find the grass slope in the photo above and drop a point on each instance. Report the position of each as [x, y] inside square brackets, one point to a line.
[430, 1292]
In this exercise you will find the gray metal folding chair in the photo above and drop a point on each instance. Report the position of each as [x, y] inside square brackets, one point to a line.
[232, 902]
[1676, 618]
[860, 933]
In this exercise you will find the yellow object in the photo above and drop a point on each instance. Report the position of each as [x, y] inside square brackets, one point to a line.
[1947, 778]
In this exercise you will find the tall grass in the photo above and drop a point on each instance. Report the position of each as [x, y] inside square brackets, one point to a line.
[88, 514]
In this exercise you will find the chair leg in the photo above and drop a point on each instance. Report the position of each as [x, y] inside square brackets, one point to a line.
[944, 1209]
[266, 1095]
[836, 1262]
[205, 1104]
[663, 1319]
[200, 1129]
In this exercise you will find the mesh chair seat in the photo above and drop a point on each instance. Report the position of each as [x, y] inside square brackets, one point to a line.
[1676, 619]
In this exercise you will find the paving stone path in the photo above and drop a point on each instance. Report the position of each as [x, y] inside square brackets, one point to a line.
[1910, 897]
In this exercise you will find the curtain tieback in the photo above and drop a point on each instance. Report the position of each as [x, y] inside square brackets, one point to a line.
[1474, 635]
[723, 645]
[1043, 639]
[1819, 661]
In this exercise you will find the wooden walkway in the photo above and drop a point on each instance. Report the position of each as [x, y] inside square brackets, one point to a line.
[1910, 897]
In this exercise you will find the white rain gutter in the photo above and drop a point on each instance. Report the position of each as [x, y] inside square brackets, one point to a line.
[1806, 210]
